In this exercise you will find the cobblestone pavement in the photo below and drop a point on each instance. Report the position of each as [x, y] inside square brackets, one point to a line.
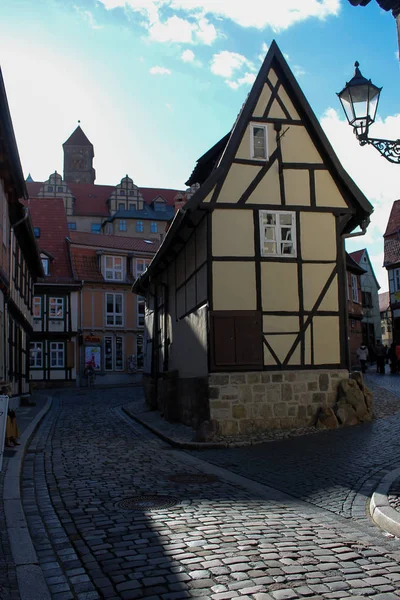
[336, 470]
[221, 540]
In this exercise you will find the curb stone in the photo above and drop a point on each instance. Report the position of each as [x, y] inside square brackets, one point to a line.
[191, 445]
[381, 512]
[31, 582]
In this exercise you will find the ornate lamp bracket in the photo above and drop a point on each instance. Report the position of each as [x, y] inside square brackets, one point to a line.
[389, 149]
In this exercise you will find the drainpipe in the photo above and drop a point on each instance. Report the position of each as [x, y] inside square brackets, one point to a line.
[82, 348]
[24, 218]
[364, 224]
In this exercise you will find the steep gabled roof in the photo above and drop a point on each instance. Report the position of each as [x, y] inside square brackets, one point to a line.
[353, 195]
[357, 256]
[85, 264]
[48, 214]
[114, 242]
[206, 163]
[353, 266]
[78, 138]
[393, 225]
[91, 199]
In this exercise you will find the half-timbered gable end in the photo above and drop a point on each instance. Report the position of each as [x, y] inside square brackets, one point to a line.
[274, 203]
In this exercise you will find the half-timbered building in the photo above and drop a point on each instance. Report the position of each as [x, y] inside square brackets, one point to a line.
[19, 261]
[354, 308]
[246, 299]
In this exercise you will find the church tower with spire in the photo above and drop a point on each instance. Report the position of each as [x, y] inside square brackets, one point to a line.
[78, 158]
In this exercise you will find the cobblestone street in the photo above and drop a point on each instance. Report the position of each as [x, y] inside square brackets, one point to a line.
[225, 537]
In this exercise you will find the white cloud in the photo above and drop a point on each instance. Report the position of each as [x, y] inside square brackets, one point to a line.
[205, 32]
[298, 70]
[247, 79]
[226, 63]
[176, 29]
[374, 175]
[252, 13]
[187, 56]
[264, 50]
[159, 71]
[88, 16]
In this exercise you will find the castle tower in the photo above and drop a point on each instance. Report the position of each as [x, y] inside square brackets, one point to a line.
[78, 158]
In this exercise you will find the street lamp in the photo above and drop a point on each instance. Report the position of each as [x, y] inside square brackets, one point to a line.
[359, 99]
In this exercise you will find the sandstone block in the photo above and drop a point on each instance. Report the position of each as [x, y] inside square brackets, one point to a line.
[265, 377]
[237, 378]
[229, 427]
[245, 393]
[292, 411]
[218, 379]
[259, 388]
[298, 388]
[290, 376]
[253, 377]
[280, 409]
[324, 382]
[287, 392]
[213, 392]
[312, 386]
[277, 377]
[247, 426]
[266, 411]
[319, 398]
[238, 411]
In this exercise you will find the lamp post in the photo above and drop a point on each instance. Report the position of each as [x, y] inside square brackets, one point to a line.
[359, 99]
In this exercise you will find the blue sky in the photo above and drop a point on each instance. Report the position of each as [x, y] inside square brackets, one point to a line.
[155, 83]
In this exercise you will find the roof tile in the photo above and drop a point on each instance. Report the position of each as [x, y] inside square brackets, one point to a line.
[392, 251]
[393, 225]
[114, 242]
[49, 215]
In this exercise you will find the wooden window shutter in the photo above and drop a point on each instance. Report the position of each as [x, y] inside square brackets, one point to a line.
[236, 340]
[70, 362]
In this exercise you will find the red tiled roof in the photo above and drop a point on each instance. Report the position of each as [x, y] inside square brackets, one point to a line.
[85, 265]
[49, 215]
[393, 225]
[392, 251]
[78, 138]
[116, 242]
[91, 199]
[33, 188]
[357, 255]
[149, 194]
[384, 301]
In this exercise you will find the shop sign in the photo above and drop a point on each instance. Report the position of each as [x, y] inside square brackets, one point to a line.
[92, 339]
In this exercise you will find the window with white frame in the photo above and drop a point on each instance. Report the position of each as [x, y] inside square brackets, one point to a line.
[36, 355]
[141, 265]
[354, 288]
[278, 233]
[57, 354]
[139, 226]
[258, 141]
[122, 225]
[396, 280]
[114, 309]
[56, 308]
[140, 310]
[37, 307]
[153, 227]
[113, 267]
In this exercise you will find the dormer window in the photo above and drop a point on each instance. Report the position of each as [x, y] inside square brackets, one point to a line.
[258, 141]
[50, 188]
[132, 206]
[131, 193]
[160, 206]
[45, 264]
[113, 268]
[122, 192]
[59, 188]
[121, 206]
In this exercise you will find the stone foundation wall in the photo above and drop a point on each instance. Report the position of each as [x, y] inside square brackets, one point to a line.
[178, 399]
[244, 403]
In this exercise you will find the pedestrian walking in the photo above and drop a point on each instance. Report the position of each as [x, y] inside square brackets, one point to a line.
[12, 431]
[362, 355]
[380, 353]
[393, 358]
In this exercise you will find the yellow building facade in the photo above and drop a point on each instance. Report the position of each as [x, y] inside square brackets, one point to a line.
[264, 232]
